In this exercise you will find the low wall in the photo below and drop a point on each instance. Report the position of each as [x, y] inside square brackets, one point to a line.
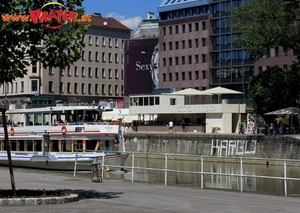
[215, 144]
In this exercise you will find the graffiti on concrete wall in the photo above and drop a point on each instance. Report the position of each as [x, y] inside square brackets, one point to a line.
[232, 147]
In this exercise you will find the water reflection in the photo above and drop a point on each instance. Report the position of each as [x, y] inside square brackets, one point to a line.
[260, 185]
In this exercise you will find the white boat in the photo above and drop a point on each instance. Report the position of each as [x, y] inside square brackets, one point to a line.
[55, 137]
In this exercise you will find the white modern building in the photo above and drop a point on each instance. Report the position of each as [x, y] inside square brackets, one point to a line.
[221, 118]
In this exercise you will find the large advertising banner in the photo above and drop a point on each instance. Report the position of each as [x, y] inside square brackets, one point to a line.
[141, 74]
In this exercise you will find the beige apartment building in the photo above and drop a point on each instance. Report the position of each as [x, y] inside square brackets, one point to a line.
[97, 76]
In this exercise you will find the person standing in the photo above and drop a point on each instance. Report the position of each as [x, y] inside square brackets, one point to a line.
[183, 124]
[170, 126]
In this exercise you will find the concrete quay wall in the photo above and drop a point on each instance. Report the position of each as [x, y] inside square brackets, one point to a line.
[261, 146]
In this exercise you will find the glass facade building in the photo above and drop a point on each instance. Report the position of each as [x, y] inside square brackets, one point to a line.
[232, 65]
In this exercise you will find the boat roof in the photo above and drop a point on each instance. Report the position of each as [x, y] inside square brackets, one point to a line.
[51, 109]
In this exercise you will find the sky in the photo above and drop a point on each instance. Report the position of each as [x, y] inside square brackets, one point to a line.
[128, 12]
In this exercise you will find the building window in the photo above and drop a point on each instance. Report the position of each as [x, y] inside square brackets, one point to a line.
[116, 58]
[164, 31]
[76, 87]
[11, 87]
[122, 74]
[109, 73]
[96, 56]
[109, 58]
[197, 75]
[82, 71]
[176, 76]
[69, 71]
[90, 55]
[51, 71]
[164, 62]
[190, 43]
[68, 87]
[164, 77]
[116, 74]
[172, 101]
[183, 44]
[176, 45]
[197, 26]
[203, 74]
[203, 42]
[97, 40]
[103, 73]
[285, 51]
[170, 76]
[196, 42]
[90, 88]
[190, 59]
[61, 87]
[90, 72]
[96, 89]
[50, 86]
[196, 59]
[82, 55]
[116, 89]
[164, 46]
[122, 90]
[183, 76]
[203, 58]
[110, 42]
[170, 30]
[103, 56]
[103, 89]
[182, 59]
[90, 40]
[285, 67]
[82, 88]
[109, 89]
[34, 68]
[203, 25]
[116, 43]
[190, 75]
[176, 60]
[34, 86]
[176, 29]
[190, 28]
[103, 41]
[96, 72]
[22, 86]
[277, 51]
[170, 45]
[76, 70]
[170, 61]
[183, 28]
[16, 88]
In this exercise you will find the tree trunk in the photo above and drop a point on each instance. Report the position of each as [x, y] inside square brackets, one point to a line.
[7, 143]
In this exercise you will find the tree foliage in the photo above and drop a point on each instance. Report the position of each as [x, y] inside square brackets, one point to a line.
[275, 88]
[267, 24]
[21, 41]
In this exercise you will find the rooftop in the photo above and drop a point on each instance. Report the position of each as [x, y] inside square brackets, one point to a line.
[169, 5]
[107, 23]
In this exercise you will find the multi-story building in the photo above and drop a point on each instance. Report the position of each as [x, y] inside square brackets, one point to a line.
[197, 48]
[184, 44]
[97, 76]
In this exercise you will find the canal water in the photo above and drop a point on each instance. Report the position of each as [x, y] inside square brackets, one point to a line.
[216, 181]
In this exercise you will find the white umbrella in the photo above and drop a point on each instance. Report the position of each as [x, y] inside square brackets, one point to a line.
[189, 92]
[219, 91]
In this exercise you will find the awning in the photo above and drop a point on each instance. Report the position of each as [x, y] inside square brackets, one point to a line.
[109, 116]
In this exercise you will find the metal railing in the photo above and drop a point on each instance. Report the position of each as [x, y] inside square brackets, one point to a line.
[240, 175]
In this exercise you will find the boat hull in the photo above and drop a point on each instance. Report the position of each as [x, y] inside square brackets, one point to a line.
[63, 162]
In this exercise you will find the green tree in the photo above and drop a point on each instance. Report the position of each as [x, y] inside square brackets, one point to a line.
[275, 88]
[267, 24]
[25, 43]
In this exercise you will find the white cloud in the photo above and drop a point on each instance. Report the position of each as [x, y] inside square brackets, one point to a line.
[131, 23]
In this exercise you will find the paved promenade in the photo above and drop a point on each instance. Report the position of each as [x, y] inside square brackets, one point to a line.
[121, 197]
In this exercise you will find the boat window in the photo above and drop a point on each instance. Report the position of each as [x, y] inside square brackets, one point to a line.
[151, 101]
[157, 101]
[172, 101]
[140, 103]
[146, 101]
[29, 119]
